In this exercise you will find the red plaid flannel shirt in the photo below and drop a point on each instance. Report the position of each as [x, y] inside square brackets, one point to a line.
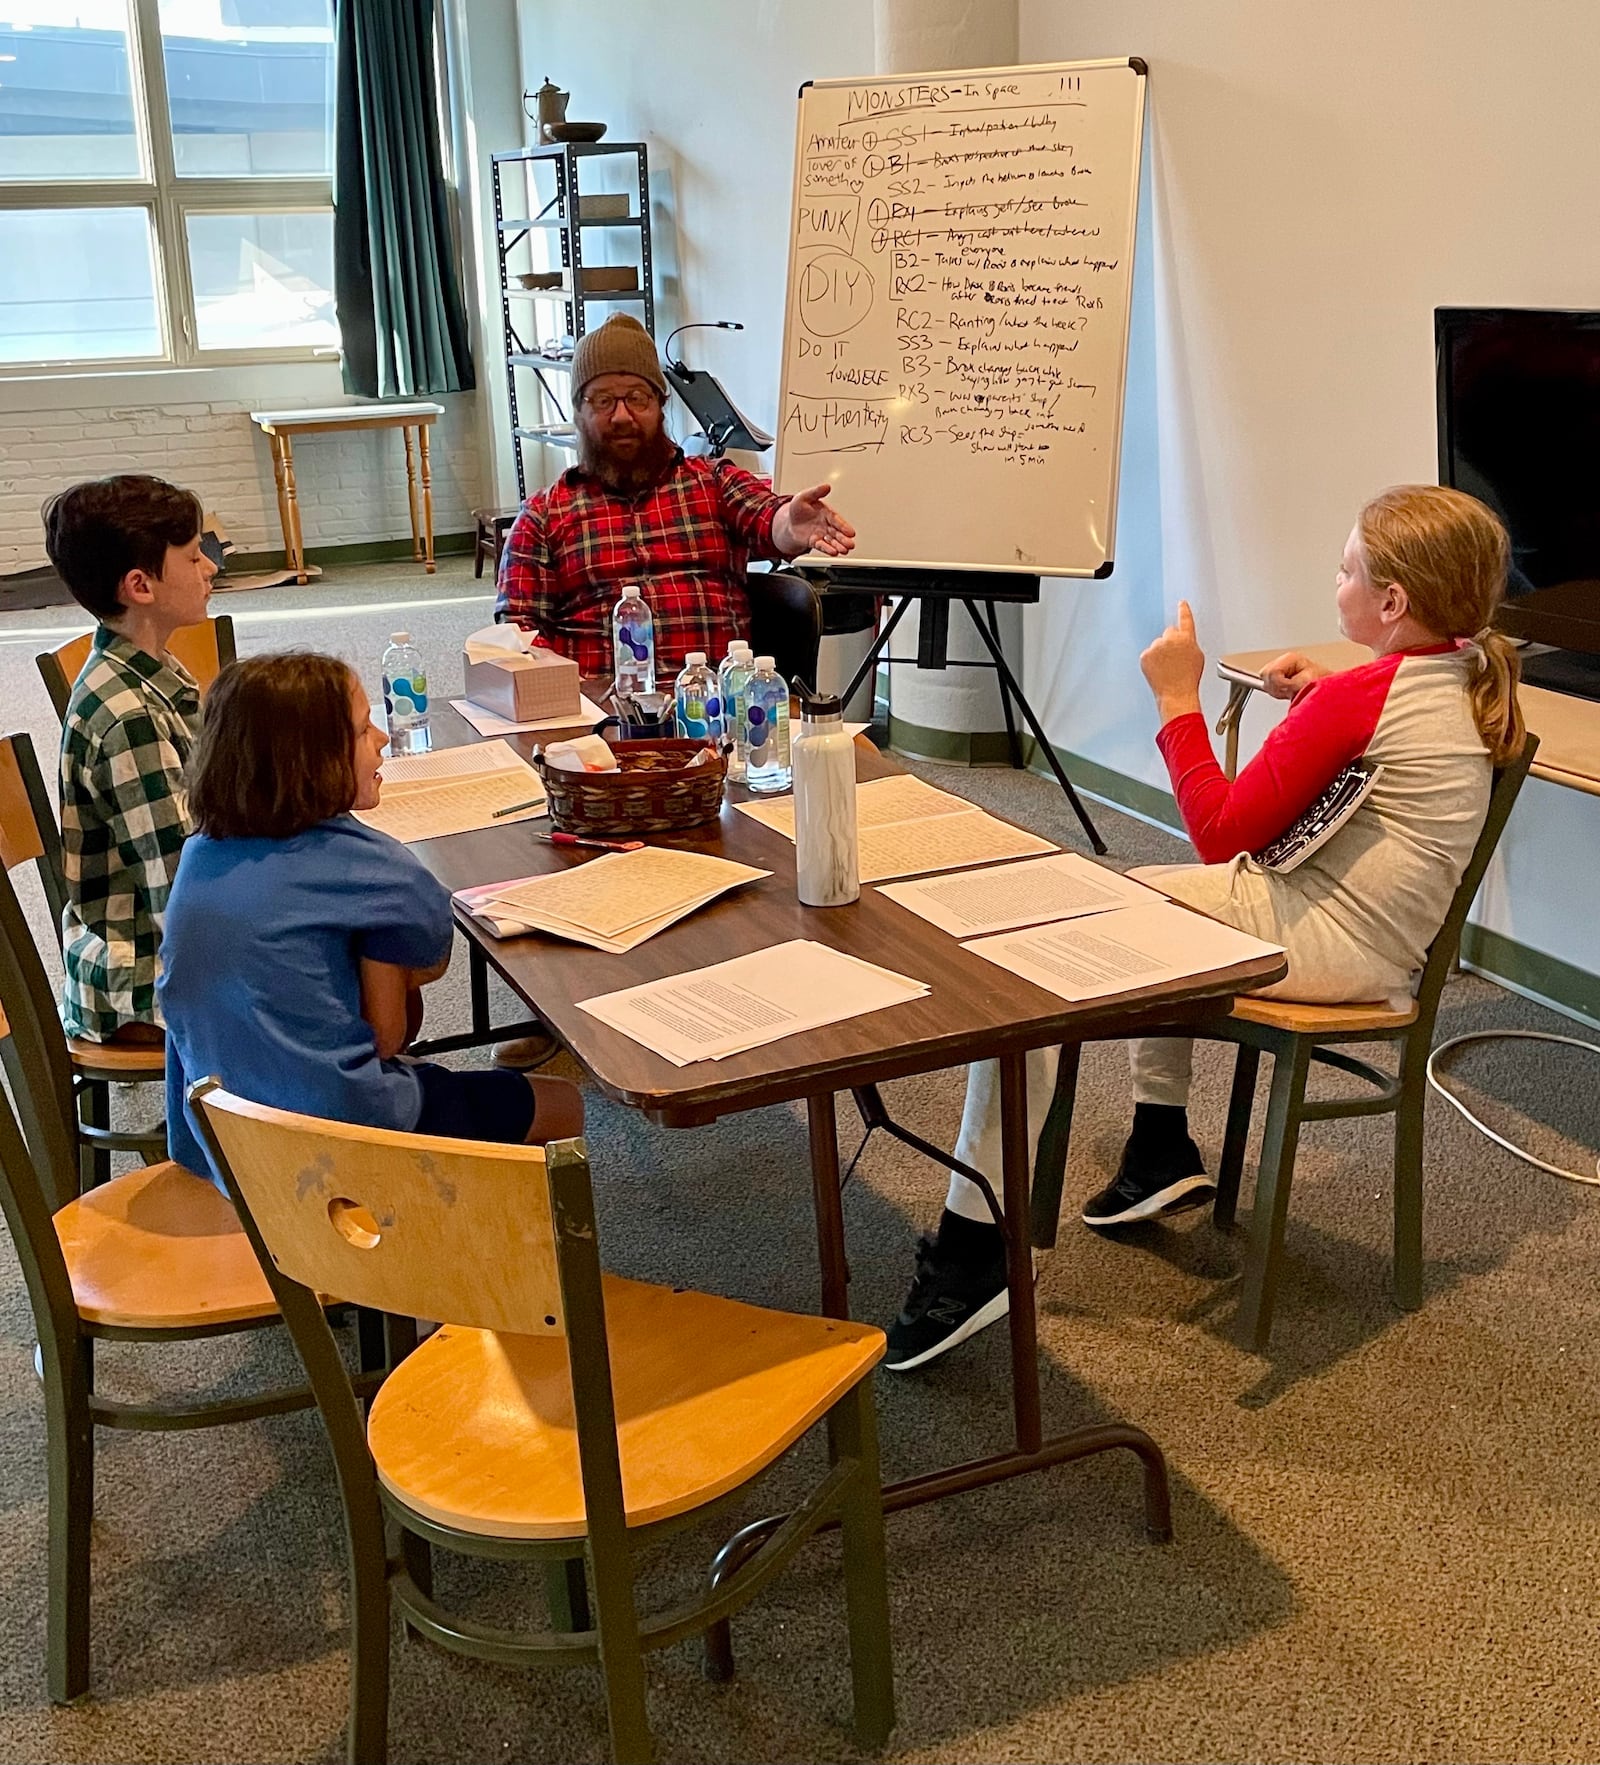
[685, 543]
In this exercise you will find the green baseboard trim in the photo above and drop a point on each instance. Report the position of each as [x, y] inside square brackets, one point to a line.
[366, 551]
[992, 747]
[1532, 973]
[1147, 801]
[978, 747]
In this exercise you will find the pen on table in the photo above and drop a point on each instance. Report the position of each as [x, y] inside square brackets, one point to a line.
[572, 839]
[517, 808]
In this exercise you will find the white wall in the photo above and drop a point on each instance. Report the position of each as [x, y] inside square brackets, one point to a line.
[486, 117]
[1320, 178]
[194, 428]
[710, 89]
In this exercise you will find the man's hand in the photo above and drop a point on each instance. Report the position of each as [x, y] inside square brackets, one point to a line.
[806, 524]
[1290, 674]
[1173, 665]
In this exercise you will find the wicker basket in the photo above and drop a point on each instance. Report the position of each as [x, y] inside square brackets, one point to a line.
[654, 792]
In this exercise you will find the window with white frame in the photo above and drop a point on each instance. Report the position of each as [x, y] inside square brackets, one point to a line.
[165, 181]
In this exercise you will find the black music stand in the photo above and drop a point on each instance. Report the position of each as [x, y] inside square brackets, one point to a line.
[934, 590]
[725, 425]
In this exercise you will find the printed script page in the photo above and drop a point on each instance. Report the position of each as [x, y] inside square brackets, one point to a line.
[942, 842]
[879, 802]
[1009, 895]
[426, 796]
[613, 894]
[733, 1006]
[1121, 951]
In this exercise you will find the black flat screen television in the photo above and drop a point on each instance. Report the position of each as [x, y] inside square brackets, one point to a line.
[1519, 426]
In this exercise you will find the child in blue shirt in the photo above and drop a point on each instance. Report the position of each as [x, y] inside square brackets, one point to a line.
[297, 938]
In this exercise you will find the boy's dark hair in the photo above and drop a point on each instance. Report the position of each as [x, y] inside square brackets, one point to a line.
[96, 532]
[275, 750]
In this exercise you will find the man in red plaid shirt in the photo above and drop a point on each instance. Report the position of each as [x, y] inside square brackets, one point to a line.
[635, 509]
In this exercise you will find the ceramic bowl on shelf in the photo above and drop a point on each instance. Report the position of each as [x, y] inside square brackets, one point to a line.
[577, 131]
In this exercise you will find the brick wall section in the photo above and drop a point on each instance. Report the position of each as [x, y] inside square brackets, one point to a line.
[352, 487]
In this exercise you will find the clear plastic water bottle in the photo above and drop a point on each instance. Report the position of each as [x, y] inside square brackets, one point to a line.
[699, 701]
[405, 696]
[633, 643]
[766, 722]
[732, 678]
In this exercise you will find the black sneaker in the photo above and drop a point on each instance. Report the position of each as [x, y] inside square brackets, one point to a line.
[951, 1298]
[1155, 1177]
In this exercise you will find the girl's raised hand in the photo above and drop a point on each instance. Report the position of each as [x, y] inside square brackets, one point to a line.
[1174, 665]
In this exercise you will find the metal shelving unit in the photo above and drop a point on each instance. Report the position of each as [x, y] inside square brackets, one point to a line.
[560, 215]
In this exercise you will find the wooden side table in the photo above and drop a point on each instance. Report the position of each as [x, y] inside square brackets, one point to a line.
[1568, 727]
[490, 527]
[412, 419]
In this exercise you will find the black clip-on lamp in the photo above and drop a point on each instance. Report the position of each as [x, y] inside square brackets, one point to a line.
[724, 424]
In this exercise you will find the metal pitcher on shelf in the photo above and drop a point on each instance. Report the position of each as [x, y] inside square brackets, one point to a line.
[550, 107]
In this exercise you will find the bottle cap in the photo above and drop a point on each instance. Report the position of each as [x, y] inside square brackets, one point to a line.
[695, 659]
[817, 705]
[399, 637]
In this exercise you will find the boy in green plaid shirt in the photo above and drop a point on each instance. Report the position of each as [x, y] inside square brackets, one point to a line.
[129, 550]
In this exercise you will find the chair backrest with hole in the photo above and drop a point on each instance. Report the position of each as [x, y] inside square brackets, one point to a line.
[203, 649]
[403, 1223]
[498, 1238]
[1508, 782]
[28, 822]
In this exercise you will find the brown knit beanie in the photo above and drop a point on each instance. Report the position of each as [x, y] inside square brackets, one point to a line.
[620, 346]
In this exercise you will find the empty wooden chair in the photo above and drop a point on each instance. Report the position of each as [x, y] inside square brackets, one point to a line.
[1298, 1037]
[205, 650]
[559, 1415]
[154, 1255]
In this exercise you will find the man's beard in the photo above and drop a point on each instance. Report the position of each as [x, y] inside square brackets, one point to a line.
[640, 472]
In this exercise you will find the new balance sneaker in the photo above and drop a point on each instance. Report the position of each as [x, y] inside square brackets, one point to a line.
[523, 1053]
[959, 1288]
[1161, 1172]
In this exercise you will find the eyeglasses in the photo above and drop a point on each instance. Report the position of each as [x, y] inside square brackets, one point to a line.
[639, 399]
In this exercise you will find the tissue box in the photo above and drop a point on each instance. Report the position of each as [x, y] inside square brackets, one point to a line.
[523, 686]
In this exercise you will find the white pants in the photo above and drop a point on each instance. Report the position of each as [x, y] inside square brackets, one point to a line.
[1326, 967]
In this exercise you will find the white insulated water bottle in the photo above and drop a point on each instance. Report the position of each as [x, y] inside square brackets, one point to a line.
[826, 838]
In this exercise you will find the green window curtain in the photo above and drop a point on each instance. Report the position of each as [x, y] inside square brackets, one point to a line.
[401, 317]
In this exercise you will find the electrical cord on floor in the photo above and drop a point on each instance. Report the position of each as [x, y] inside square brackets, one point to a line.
[1455, 1102]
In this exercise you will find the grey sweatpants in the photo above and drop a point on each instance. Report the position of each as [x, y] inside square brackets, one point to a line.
[1326, 967]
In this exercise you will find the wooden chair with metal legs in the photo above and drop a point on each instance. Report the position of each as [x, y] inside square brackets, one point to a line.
[28, 831]
[1299, 1037]
[154, 1255]
[204, 649]
[558, 1416]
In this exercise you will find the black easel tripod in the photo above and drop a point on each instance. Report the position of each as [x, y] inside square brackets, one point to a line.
[934, 591]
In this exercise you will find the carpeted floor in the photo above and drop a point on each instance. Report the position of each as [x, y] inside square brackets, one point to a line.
[1388, 1529]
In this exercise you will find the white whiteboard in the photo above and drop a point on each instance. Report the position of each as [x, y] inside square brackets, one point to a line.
[956, 327]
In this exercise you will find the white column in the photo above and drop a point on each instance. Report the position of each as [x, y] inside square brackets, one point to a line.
[925, 36]
[485, 116]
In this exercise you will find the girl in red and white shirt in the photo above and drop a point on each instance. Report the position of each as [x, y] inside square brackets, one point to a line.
[1423, 571]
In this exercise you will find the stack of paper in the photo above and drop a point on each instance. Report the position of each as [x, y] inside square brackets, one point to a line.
[611, 903]
[908, 828]
[426, 796]
[750, 1001]
[1008, 895]
[1120, 951]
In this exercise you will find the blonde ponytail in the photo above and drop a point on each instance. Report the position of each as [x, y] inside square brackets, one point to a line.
[1492, 688]
[1450, 553]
